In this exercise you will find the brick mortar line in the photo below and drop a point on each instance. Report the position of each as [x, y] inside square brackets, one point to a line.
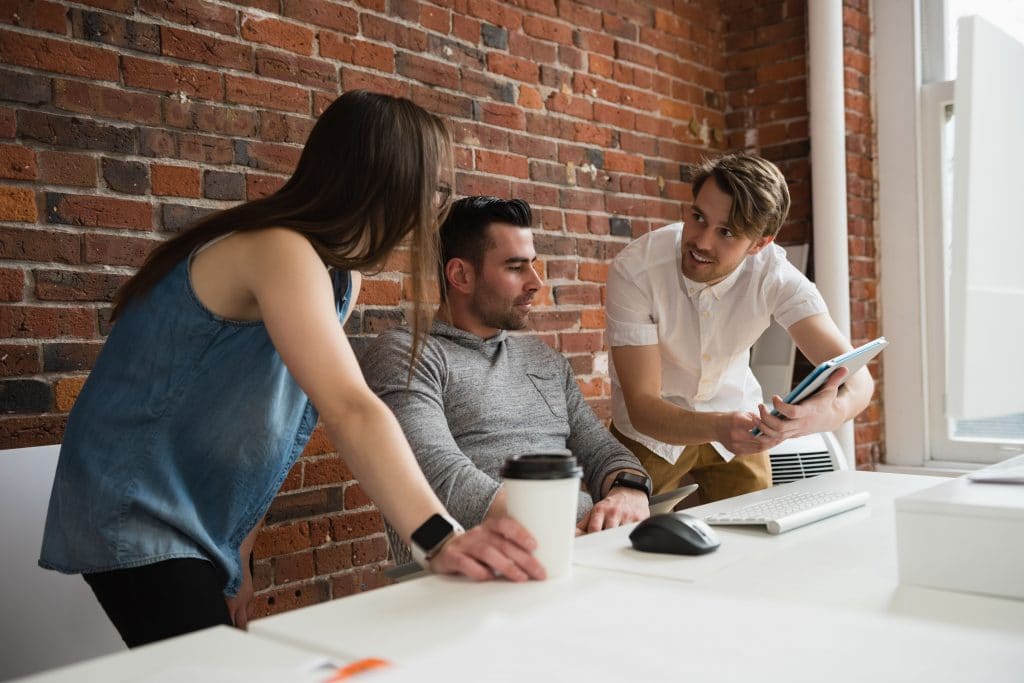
[23, 341]
[52, 109]
[96, 268]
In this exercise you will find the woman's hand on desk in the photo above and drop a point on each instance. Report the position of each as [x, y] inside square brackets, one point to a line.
[497, 547]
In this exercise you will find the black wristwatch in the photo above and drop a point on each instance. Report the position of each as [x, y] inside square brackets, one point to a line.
[630, 480]
[430, 537]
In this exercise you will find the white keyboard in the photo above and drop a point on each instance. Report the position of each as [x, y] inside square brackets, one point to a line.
[792, 510]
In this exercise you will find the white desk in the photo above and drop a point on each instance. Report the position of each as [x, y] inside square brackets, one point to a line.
[418, 616]
[822, 602]
[216, 655]
[847, 561]
[746, 548]
[642, 630]
[818, 603]
[856, 568]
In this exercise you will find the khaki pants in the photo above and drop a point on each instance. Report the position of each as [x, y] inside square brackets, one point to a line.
[718, 479]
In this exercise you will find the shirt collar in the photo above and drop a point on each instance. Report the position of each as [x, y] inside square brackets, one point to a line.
[693, 289]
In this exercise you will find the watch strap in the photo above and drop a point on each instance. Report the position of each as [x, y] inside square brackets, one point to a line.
[631, 480]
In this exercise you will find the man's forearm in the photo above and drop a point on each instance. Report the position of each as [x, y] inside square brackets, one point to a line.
[854, 396]
[669, 423]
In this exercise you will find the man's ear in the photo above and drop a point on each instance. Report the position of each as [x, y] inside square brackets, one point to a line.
[460, 275]
[759, 244]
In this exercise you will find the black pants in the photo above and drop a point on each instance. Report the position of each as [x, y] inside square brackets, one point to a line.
[162, 600]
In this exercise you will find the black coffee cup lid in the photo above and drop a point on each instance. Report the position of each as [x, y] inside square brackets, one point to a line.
[541, 466]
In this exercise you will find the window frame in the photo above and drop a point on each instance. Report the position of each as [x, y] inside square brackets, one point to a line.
[911, 103]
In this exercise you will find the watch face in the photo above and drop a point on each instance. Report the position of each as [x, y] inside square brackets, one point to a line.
[432, 532]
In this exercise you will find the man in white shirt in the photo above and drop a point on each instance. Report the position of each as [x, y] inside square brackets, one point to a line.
[685, 304]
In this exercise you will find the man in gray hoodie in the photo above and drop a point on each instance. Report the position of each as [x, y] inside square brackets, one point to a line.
[478, 395]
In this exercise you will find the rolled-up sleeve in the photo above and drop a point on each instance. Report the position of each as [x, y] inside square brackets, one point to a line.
[630, 321]
[796, 297]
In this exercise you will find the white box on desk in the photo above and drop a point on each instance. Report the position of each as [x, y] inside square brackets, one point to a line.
[963, 535]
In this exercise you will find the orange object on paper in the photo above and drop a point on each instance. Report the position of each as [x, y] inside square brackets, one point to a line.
[355, 668]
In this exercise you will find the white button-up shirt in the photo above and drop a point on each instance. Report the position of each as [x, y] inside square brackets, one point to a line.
[704, 333]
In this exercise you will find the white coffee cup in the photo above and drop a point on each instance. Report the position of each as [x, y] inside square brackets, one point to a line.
[541, 493]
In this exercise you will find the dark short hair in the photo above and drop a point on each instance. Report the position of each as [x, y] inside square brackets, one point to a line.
[464, 232]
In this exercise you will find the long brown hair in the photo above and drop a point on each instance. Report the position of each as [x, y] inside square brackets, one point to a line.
[367, 177]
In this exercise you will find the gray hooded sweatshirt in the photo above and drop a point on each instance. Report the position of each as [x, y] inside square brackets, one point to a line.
[473, 402]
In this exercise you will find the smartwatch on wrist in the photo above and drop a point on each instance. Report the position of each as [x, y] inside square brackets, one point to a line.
[430, 537]
[630, 480]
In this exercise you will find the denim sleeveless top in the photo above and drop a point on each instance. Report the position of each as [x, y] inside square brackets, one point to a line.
[179, 440]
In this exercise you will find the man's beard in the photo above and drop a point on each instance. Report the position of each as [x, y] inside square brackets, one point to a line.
[507, 318]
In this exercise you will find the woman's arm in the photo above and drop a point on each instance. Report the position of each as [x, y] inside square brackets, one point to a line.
[296, 302]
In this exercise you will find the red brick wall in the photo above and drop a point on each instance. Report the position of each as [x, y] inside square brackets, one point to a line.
[121, 121]
[766, 80]
[865, 323]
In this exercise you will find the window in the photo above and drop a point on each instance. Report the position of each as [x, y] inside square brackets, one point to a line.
[940, 30]
[915, 83]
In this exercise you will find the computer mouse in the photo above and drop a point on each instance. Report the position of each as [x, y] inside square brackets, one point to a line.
[675, 533]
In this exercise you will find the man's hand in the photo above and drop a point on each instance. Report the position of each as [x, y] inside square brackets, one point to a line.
[821, 412]
[497, 547]
[621, 506]
[735, 433]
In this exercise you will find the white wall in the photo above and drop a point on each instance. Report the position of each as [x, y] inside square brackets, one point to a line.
[47, 619]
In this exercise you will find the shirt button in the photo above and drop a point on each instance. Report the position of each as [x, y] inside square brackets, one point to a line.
[706, 357]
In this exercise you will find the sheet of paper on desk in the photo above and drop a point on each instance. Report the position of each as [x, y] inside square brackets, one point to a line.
[611, 550]
[999, 475]
[317, 670]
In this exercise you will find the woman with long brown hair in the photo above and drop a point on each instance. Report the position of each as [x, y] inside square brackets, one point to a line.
[227, 344]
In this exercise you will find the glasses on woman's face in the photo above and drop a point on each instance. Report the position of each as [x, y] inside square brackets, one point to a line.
[441, 195]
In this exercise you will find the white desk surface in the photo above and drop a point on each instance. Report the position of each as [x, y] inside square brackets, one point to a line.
[746, 548]
[420, 615]
[850, 562]
[644, 630]
[216, 655]
[799, 592]
[847, 561]
[818, 603]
